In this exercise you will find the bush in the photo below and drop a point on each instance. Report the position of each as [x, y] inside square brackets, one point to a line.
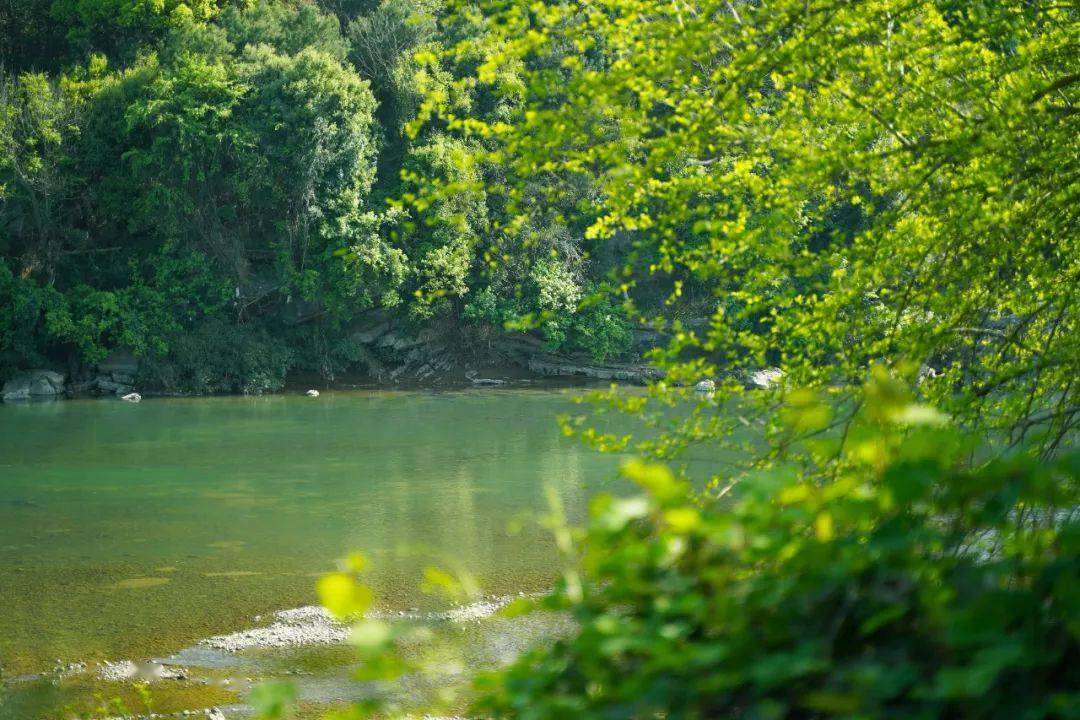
[219, 357]
[905, 589]
[602, 331]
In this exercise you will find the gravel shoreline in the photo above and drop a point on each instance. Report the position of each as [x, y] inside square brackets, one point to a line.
[313, 625]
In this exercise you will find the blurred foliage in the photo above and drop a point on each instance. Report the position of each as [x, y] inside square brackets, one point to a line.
[907, 584]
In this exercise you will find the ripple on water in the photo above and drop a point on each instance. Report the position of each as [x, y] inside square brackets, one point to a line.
[141, 583]
[232, 573]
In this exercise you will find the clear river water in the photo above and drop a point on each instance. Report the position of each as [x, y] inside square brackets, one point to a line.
[134, 530]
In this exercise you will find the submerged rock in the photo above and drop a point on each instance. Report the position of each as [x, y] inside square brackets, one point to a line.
[132, 397]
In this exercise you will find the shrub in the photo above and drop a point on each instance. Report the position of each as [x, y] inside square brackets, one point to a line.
[602, 331]
[219, 357]
[905, 588]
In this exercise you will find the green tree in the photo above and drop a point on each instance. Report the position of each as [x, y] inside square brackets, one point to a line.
[848, 181]
[118, 28]
[37, 123]
[262, 157]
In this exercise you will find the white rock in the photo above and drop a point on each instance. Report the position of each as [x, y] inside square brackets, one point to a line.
[312, 393]
[705, 386]
[121, 670]
[132, 397]
[766, 378]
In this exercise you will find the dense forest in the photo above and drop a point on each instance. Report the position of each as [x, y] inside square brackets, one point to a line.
[223, 188]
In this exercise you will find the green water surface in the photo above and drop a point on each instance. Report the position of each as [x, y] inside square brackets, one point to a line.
[132, 530]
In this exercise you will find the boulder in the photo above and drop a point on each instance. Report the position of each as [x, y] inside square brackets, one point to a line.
[766, 378]
[705, 386]
[33, 383]
[132, 397]
[119, 361]
[108, 386]
[313, 393]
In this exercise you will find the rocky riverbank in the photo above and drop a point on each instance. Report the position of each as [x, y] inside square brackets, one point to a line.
[384, 354]
[223, 669]
[115, 376]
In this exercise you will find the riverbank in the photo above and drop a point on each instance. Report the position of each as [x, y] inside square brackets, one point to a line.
[382, 353]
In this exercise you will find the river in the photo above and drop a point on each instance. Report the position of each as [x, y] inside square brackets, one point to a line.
[135, 530]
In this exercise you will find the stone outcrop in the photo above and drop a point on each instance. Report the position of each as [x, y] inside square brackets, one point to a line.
[115, 375]
[556, 365]
[393, 354]
[528, 352]
[33, 384]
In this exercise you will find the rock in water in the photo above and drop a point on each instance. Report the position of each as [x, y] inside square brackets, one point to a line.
[705, 386]
[766, 378]
[33, 383]
[312, 393]
[132, 397]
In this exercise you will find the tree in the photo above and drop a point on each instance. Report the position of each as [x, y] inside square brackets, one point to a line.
[118, 28]
[37, 122]
[262, 156]
[849, 181]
